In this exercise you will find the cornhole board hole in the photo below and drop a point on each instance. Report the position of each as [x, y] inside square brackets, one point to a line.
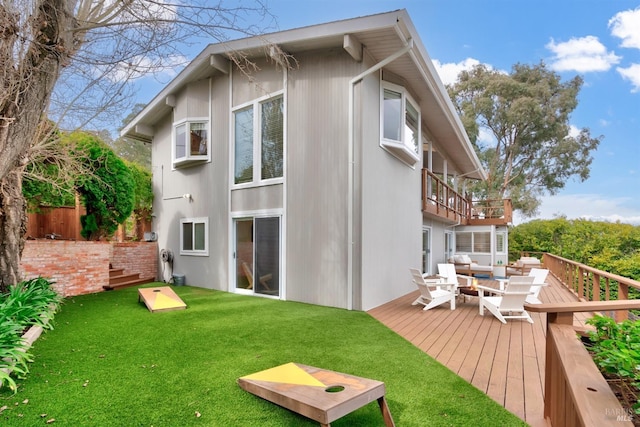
[160, 299]
[319, 394]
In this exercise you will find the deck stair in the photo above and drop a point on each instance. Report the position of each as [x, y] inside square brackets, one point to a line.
[118, 279]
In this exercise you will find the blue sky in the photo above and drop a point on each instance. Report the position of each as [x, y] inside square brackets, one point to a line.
[596, 39]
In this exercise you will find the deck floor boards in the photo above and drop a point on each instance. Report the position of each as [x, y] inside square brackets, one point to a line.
[506, 362]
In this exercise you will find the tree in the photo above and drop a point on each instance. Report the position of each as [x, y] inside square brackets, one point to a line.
[527, 113]
[143, 195]
[108, 192]
[131, 149]
[98, 46]
[612, 247]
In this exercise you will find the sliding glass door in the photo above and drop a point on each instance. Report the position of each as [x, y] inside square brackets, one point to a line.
[257, 254]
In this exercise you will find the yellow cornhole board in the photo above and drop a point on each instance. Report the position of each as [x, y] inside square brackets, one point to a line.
[160, 299]
[319, 394]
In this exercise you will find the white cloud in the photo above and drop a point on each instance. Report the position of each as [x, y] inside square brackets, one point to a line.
[595, 207]
[486, 136]
[449, 72]
[583, 54]
[626, 26]
[574, 131]
[631, 73]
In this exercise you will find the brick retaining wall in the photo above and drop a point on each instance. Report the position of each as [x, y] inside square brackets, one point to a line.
[136, 257]
[81, 267]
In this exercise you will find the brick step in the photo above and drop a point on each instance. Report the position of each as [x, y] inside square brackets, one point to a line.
[113, 272]
[133, 281]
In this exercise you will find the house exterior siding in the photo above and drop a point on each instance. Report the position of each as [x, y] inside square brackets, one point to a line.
[317, 175]
[348, 210]
[391, 214]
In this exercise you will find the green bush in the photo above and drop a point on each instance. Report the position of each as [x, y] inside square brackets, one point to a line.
[616, 348]
[29, 303]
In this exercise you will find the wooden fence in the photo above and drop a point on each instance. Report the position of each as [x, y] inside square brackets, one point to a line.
[63, 223]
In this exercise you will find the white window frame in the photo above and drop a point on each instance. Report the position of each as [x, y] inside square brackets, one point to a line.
[256, 106]
[473, 242]
[195, 252]
[400, 148]
[501, 235]
[188, 157]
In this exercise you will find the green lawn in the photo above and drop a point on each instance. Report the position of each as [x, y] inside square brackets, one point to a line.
[110, 362]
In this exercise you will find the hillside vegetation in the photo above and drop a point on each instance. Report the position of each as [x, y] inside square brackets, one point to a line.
[611, 247]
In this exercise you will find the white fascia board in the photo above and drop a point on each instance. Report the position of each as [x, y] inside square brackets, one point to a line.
[252, 44]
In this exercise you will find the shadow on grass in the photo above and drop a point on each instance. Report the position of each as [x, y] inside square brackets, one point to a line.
[110, 362]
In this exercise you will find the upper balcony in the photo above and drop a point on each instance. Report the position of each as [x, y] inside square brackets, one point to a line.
[442, 201]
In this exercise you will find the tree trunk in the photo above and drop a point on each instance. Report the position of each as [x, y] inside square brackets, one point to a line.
[13, 227]
[28, 73]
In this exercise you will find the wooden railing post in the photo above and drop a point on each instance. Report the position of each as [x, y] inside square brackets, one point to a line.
[575, 392]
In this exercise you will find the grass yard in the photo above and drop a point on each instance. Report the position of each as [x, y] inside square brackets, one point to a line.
[110, 362]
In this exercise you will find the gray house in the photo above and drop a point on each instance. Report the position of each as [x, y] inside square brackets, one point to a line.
[320, 180]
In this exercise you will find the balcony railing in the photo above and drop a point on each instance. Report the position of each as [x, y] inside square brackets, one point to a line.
[441, 200]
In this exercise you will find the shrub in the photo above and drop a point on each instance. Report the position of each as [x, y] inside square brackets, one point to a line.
[616, 348]
[29, 303]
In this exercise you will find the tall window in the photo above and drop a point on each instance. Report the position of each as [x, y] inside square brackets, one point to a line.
[259, 141]
[190, 141]
[501, 242]
[194, 238]
[400, 123]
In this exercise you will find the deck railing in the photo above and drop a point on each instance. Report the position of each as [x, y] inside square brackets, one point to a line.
[591, 284]
[575, 392]
[440, 199]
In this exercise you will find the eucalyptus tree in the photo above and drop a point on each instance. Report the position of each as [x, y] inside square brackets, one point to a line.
[532, 148]
[72, 60]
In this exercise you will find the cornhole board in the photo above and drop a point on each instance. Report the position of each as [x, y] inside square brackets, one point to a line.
[319, 394]
[160, 299]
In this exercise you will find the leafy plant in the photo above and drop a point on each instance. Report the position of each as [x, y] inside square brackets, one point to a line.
[29, 303]
[616, 348]
[108, 192]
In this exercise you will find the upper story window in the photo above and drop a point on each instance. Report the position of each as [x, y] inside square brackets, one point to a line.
[190, 141]
[400, 123]
[259, 141]
[194, 238]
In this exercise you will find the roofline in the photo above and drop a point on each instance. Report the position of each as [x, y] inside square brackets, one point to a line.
[398, 19]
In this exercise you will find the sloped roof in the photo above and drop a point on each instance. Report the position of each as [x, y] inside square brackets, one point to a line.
[382, 35]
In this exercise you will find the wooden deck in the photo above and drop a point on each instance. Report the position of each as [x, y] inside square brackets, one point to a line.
[504, 361]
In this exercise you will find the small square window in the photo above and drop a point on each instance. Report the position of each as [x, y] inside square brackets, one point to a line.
[194, 239]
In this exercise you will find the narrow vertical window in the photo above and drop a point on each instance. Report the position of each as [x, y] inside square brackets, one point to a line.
[243, 146]
[272, 139]
[181, 141]
[392, 115]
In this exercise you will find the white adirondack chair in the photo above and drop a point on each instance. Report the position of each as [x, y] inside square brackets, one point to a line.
[539, 275]
[448, 273]
[433, 292]
[508, 303]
